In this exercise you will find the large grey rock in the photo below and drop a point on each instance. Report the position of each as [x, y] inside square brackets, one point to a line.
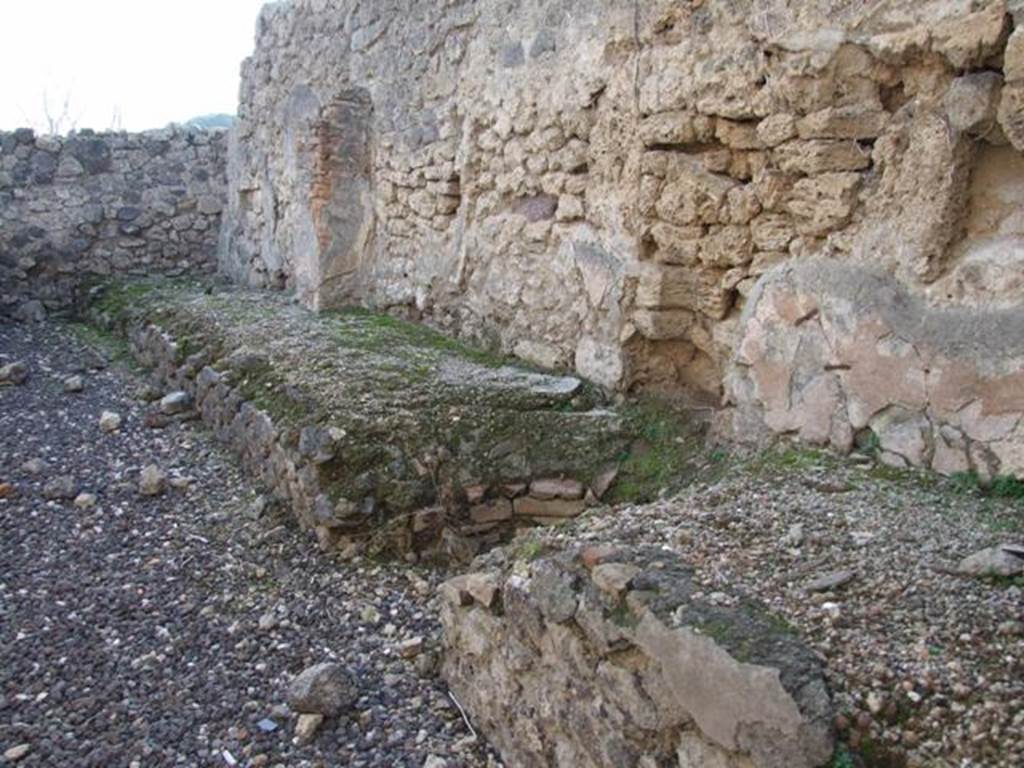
[630, 666]
[32, 311]
[972, 100]
[1001, 560]
[110, 421]
[175, 403]
[827, 582]
[34, 466]
[323, 689]
[16, 753]
[306, 727]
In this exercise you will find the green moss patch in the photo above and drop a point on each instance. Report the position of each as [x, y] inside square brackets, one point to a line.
[666, 455]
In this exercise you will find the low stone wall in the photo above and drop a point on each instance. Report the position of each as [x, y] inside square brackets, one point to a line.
[601, 657]
[87, 206]
[375, 432]
[834, 354]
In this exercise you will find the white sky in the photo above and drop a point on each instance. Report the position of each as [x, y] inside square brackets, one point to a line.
[154, 61]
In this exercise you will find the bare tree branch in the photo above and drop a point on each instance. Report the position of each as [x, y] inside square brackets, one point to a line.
[61, 122]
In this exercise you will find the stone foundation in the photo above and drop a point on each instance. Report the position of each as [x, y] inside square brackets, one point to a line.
[610, 657]
[375, 432]
[81, 208]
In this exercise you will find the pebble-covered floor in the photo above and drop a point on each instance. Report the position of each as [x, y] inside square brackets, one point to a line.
[153, 631]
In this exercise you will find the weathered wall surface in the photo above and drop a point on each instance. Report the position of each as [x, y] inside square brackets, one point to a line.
[601, 185]
[834, 353]
[93, 205]
[462, 187]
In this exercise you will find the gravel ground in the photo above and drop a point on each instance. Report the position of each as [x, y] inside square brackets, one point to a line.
[152, 631]
[927, 666]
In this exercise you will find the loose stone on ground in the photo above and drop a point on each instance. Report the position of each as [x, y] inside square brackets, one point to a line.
[13, 373]
[110, 421]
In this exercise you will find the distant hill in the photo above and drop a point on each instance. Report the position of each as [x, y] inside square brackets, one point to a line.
[209, 122]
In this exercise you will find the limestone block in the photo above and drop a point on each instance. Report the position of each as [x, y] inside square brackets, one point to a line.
[423, 203]
[717, 159]
[852, 122]
[772, 232]
[972, 101]
[659, 325]
[449, 188]
[772, 187]
[745, 165]
[575, 185]
[775, 129]
[570, 208]
[447, 205]
[727, 246]
[968, 40]
[1011, 113]
[210, 204]
[494, 511]
[823, 203]
[738, 135]
[572, 158]
[669, 287]
[905, 434]
[676, 245]
[695, 197]
[527, 506]
[820, 156]
[599, 361]
[539, 352]
[669, 128]
[556, 488]
[950, 454]
[1013, 57]
[743, 204]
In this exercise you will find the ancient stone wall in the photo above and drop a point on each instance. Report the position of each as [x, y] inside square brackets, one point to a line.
[93, 205]
[601, 185]
[603, 656]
